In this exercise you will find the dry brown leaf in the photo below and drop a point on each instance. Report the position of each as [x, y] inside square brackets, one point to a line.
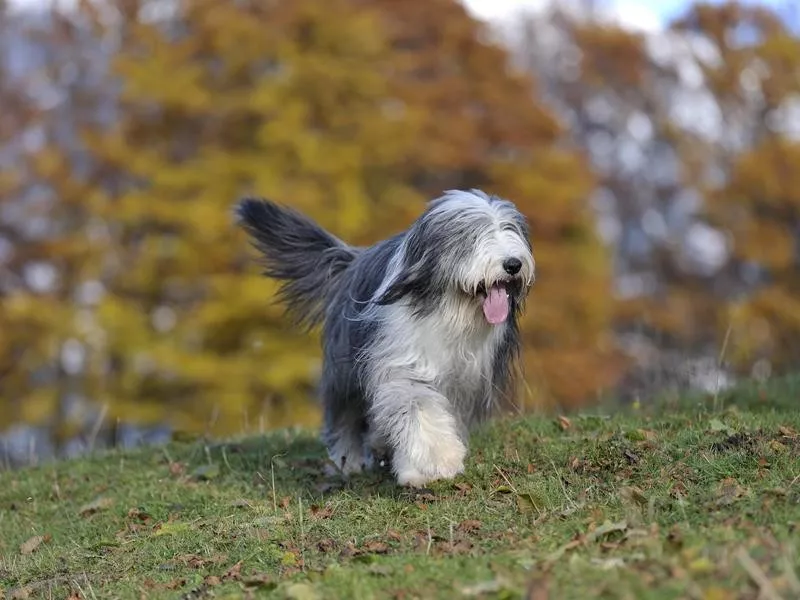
[376, 547]
[393, 535]
[235, 572]
[321, 512]
[463, 488]
[32, 544]
[469, 525]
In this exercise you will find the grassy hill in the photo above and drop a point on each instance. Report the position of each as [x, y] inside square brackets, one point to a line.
[691, 499]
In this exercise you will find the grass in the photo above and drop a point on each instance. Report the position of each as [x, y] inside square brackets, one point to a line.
[682, 500]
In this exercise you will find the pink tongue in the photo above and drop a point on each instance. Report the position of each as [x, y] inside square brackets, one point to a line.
[495, 307]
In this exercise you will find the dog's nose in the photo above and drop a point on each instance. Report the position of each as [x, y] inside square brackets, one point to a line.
[512, 265]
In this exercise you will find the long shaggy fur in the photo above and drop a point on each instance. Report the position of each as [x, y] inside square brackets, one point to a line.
[411, 362]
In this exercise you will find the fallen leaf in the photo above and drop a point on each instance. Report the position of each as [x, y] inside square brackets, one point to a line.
[32, 544]
[140, 514]
[175, 584]
[564, 422]
[463, 488]
[376, 547]
[777, 447]
[348, 551]
[527, 503]
[393, 535]
[729, 491]
[321, 512]
[469, 525]
[235, 572]
[95, 506]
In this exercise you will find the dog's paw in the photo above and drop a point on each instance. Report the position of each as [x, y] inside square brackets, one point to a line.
[444, 462]
[351, 463]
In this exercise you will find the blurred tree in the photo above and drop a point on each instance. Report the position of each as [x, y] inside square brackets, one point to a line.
[44, 249]
[669, 119]
[756, 82]
[619, 98]
[355, 112]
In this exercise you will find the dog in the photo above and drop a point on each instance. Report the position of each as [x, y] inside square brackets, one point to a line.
[419, 331]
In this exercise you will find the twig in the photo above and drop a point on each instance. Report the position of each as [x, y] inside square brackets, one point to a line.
[766, 590]
[272, 474]
[98, 424]
[719, 364]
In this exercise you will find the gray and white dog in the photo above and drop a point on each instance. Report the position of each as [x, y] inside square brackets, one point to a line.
[419, 331]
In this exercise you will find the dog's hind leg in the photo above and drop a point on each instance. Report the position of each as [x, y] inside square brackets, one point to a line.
[344, 435]
[419, 428]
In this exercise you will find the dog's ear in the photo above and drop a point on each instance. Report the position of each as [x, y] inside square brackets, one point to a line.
[412, 279]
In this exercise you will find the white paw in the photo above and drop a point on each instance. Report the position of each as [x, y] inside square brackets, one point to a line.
[444, 462]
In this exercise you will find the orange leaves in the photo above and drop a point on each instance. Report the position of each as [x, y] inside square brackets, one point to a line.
[353, 114]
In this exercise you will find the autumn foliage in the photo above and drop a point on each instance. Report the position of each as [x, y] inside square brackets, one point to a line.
[149, 300]
[356, 113]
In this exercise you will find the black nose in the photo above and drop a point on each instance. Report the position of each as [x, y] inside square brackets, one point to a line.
[512, 265]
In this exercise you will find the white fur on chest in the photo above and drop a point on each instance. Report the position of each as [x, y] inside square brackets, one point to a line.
[452, 349]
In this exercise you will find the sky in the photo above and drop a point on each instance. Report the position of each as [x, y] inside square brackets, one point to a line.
[647, 15]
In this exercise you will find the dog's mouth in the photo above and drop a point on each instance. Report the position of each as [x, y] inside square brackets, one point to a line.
[496, 300]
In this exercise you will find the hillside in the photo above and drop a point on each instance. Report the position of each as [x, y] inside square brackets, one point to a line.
[683, 500]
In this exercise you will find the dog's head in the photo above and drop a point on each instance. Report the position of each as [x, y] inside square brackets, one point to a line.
[471, 246]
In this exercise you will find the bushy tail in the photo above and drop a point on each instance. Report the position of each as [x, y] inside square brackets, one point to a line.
[302, 255]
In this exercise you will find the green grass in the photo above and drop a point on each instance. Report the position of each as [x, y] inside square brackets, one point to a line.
[685, 500]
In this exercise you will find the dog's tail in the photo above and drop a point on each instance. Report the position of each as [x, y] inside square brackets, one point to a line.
[306, 259]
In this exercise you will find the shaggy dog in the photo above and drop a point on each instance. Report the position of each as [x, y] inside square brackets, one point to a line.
[419, 331]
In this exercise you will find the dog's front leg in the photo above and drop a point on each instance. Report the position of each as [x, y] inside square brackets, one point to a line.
[417, 423]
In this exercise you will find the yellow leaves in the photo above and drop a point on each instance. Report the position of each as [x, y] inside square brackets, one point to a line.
[610, 52]
[769, 243]
[766, 178]
[353, 115]
[760, 207]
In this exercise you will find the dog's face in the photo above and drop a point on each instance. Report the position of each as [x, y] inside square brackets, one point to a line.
[473, 247]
